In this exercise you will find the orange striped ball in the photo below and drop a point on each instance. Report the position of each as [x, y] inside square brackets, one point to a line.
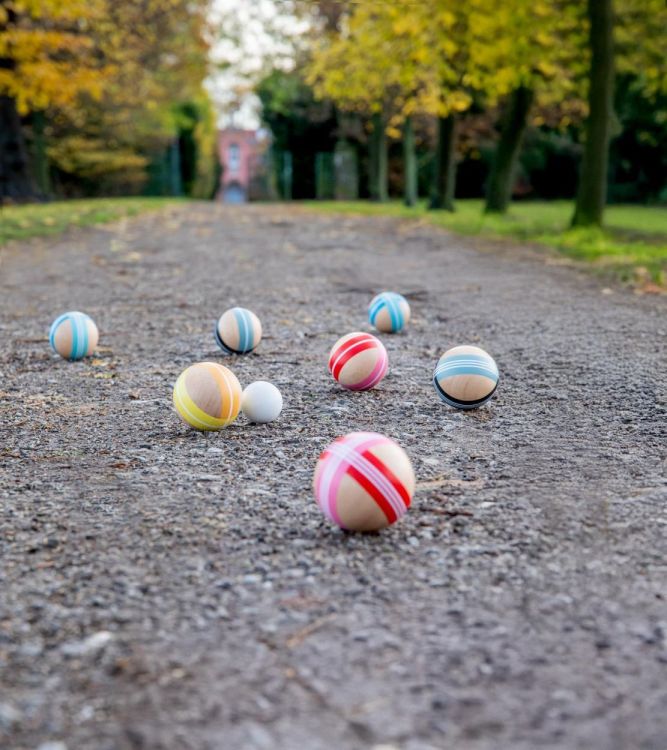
[358, 361]
[207, 396]
[364, 482]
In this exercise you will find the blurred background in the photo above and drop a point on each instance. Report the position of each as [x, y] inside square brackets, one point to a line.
[551, 108]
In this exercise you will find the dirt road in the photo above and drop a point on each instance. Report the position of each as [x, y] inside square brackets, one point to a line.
[166, 589]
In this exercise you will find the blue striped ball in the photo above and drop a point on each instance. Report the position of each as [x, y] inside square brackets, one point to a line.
[73, 335]
[466, 377]
[238, 331]
[389, 312]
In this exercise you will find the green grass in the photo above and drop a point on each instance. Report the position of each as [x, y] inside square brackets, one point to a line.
[40, 219]
[635, 237]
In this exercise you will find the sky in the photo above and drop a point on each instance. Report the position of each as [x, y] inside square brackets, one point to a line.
[248, 40]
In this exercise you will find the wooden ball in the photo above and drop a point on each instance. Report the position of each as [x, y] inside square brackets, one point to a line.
[73, 335]
[238, 331]
[466, 377]
[207, 396]
[389, 312]
[358, 361]
[364, 482]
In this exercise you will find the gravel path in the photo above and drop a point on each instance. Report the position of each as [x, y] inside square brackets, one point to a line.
[166, 589]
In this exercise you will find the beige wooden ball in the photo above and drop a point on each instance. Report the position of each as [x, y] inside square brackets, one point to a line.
[238, 331]
[207, 396]
[364, 482]
[73, 335]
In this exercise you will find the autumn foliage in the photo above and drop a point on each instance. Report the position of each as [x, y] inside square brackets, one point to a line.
[99, 86]
[527, 61]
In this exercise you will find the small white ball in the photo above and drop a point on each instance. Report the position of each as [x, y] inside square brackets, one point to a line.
[261, 402]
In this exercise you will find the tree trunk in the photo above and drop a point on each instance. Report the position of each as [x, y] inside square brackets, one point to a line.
[42, 174]
[410, 186]
[378, 154]
[592, 192]
[444, 179]
[513, 127]
[174, 169]
[15, 181]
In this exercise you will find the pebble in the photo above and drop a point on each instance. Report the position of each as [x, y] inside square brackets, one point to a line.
[92, 644]
[9, 715]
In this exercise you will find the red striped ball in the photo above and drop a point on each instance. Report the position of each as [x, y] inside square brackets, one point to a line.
[364, 482]
[358, 361]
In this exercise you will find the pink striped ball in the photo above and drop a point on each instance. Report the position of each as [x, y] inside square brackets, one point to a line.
[364, 482]
[358, 361]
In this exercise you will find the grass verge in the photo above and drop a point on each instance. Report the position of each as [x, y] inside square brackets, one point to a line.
[40, 219]
[633, 243]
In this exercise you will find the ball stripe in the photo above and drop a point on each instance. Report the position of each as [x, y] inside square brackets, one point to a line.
[448, 370]
[74, 324]
[329, 479]
[222, 380]
[466, 364]
[394, 313]
[349, 457]
[198, 417]
[379, 371]
[331, 476]
[389, 474]
[375, 309]
[195, 415]
[221, 343]
[355, 457]
[245, 326]
[345, 345]
[374, 492]
[84, 346]
[348, 353]
[81, 332]
[457, 403]
[54, 328]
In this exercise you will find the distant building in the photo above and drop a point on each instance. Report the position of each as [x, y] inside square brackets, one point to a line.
[241, 159]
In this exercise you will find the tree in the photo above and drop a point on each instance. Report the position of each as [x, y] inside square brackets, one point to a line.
[592, 192]
[393, 60]
[636, 19]
[521, 52]
[449, 49]
[301, 126]
[379, 168]
[101, 81]
[410, 163]
[45, 58]
[512, 129]
[444, 177]
[357, 83]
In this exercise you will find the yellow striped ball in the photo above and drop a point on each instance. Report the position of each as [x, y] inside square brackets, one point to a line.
[207, 396]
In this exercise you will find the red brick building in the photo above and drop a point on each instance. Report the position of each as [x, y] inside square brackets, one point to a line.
[240, 157]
